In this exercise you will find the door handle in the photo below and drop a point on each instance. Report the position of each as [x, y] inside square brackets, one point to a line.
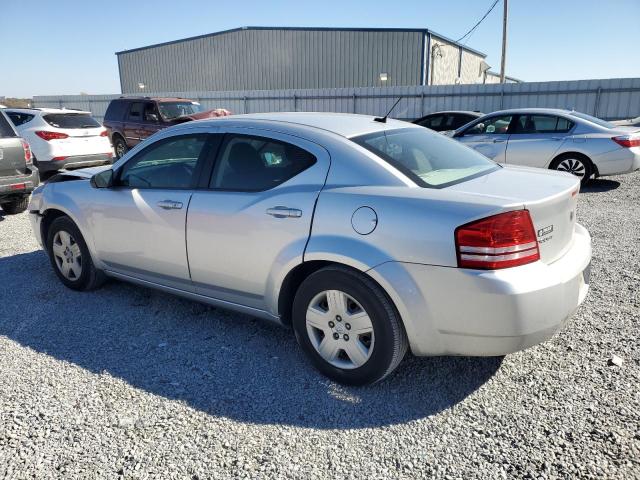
[497, 140]
[284, 212]
[557, 139]
[169, 205]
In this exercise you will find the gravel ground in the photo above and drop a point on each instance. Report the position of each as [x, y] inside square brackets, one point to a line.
[129, 382]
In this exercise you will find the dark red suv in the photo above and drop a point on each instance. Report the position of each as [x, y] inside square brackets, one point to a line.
[129, 120]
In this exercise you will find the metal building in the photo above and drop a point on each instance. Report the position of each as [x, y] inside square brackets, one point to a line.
[268, 58]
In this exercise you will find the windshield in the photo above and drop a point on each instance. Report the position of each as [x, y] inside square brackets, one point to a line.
[591, 119]
[428, 158]
[71, 120]
[171, 110]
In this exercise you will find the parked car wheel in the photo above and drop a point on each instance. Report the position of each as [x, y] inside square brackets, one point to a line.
[15, 207]
[348, 327]
[120, 146]
[70, 256]
[577, 164]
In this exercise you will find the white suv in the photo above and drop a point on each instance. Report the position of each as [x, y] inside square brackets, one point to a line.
[62, 138]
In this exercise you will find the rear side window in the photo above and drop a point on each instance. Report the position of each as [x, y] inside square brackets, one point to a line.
[543, 124]
[116, 110]
[428, 158]
[432, 122]
[135, 112]
[249, 163]
[71, 120]
[460, 120]
[19, 118]
[6, 130]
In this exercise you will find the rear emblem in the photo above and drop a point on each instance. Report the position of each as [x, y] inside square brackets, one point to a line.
[545, 231]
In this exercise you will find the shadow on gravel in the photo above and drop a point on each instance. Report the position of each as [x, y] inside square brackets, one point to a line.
[599, 185]
[221, 363]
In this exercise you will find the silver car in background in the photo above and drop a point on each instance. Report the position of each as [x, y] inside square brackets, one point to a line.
[557, 139]
[367, 236]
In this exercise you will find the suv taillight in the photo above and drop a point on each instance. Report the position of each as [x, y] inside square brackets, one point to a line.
[627, 141]
[501, 241]
[28, 156]
[45, 135]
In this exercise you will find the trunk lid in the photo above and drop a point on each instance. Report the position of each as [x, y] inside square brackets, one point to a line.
[551, 198]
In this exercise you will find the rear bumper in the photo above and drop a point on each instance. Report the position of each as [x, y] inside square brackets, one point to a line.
[454, 311]
[20, 184]
[623, 160]
[76, 161]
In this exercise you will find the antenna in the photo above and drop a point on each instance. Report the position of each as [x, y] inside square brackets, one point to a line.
[384, 119]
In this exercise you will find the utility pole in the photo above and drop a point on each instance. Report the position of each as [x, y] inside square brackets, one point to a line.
[504, 40]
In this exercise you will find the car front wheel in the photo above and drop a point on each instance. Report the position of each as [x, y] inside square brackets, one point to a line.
[70, 257]
[348, 327]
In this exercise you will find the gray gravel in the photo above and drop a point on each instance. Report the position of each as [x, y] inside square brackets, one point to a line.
[129, 382]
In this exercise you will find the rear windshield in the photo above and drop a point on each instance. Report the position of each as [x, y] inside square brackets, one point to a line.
[591, 119]
[430, 159]
[171, 110]
[71, 120]
[6, 130]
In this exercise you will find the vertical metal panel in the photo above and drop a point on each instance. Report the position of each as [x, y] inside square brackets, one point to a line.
[275, 59]
[618, 98]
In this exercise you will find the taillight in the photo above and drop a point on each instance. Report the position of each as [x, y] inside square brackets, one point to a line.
[28, 156]
[627, 141]
[501, 241]
[43, 134]
[104, 133]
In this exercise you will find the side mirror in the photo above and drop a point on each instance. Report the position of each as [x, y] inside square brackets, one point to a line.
[102, 180]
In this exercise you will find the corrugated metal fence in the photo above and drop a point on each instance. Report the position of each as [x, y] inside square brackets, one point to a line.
[607, 99]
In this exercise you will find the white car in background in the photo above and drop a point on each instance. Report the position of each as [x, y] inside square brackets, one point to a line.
[62, 138]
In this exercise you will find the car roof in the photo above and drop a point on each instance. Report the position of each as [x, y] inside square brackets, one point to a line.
[156, 99]
[344, 124]
[46, 110]
[466, 112]
[551, 111]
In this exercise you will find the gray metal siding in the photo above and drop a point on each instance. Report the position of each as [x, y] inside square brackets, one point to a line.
[276, 59]
[608, 99]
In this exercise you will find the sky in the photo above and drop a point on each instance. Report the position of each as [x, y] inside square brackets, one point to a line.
[68, 46]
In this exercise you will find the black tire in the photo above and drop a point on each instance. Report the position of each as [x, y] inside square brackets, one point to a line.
[390, 343]
[15, 207]
[90, 277]
[574, 163]
[119, 146]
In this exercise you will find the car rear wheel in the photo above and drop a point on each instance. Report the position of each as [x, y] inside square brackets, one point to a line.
[70, 256]
[120, 146]
[348, 327]
[578, 165]
[16, 206]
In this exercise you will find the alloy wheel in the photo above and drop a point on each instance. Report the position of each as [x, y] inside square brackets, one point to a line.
[574, 166]
[67, 255]
[340, 329]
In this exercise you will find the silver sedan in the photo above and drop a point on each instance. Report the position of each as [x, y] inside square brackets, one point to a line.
[557, 139]
[367, 236]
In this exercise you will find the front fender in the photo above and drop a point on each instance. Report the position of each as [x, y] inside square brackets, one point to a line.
[56, 197]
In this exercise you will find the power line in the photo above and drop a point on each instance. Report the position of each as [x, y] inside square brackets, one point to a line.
[479, 21]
